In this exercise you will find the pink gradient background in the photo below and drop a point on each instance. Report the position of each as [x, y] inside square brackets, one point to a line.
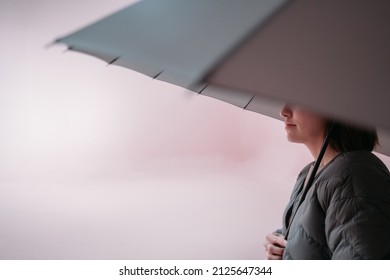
[101, 162]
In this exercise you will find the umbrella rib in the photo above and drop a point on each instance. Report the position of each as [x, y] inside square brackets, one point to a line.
[112, 61]
[200, 92]
[248, 102]
[155, 77]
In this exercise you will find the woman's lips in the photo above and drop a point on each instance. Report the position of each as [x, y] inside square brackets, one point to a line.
[289, 125]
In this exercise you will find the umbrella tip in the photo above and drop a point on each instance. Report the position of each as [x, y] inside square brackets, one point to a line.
[52, 43]
[48, 45]
[68, 49]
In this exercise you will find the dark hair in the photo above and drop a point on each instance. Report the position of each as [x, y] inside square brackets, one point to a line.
[347, 137]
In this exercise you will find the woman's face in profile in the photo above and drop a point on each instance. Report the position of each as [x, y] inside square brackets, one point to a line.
[303, 126]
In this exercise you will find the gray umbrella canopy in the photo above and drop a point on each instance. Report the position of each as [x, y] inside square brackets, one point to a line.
[329, 56]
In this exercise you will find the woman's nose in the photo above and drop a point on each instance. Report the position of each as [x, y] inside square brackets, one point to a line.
[286, 111]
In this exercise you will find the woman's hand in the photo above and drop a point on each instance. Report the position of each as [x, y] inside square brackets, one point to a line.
[274, 246]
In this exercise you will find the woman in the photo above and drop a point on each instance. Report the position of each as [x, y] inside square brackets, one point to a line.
[345, 212]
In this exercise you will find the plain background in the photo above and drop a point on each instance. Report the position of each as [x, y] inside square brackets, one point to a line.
[100, 162]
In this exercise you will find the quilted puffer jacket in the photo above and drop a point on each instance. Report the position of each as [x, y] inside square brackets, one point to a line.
[345, 214]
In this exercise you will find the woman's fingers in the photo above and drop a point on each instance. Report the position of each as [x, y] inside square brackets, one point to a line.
[276, 239]
[274, 246]
[275, 250]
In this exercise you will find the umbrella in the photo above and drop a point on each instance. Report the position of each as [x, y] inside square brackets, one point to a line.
[329, 56]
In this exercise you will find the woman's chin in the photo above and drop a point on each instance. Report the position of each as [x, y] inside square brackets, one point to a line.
[292, 139]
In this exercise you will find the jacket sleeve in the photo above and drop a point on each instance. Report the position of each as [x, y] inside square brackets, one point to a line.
[278, 231]
[358, 226]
